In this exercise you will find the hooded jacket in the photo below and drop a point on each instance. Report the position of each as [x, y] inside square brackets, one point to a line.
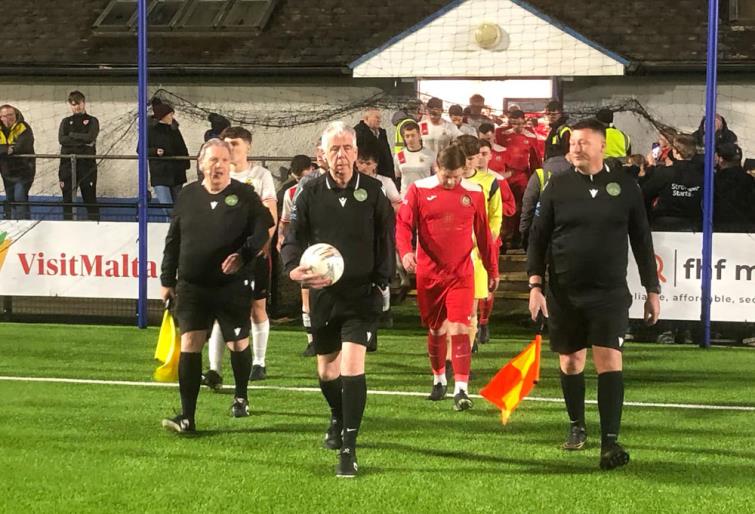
[20, 138]
[723, 135]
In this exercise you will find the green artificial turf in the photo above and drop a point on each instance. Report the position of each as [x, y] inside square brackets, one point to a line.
[99, 448]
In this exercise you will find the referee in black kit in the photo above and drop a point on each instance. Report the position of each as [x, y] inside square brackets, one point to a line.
[350, 211]
[218, 227]
[580, 230]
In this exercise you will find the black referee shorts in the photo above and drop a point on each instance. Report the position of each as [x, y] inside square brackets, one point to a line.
[197, 307]
[344, 318]
[261, 272]
[581, 319]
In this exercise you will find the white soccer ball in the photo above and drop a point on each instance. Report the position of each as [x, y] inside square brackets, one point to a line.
[324, 259]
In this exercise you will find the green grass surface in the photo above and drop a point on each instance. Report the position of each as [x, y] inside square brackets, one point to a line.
[99, 448]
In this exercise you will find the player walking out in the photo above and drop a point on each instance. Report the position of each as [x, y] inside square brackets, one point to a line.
[448, 216]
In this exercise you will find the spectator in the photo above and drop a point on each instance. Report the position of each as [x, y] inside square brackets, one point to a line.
[167, 176]
[635, 165]
[369, 133]
[414, 162]
[456, 113]
[734, 192]
[218, 124]
[665, 152]
[618, 144]
[723, 134]
[475, 115]
[436, 132]
[535, 186]
[673, 194]
[557, 140]
[16, 138]
[411, 112]
[78, 135]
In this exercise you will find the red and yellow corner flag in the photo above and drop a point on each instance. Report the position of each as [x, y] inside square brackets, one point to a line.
[168, 350]
[515, 380]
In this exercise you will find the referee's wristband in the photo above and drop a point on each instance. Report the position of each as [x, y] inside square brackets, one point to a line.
[535, 285]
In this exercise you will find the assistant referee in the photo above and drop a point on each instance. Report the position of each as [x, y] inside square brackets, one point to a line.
[218, 227]
[580, 231]
[350, 211]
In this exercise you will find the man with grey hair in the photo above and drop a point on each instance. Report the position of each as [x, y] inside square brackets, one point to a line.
[349, 211]
[218, 227]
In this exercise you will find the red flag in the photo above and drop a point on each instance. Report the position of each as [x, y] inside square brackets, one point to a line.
[515, 380]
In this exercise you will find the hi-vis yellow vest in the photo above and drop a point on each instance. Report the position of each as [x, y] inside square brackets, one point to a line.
[15, 131]
[617, 143]
[542, 177]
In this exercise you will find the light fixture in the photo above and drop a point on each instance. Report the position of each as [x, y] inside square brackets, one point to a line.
[488, 35]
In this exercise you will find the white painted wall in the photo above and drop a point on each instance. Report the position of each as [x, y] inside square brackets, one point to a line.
[678, 101]
[114, 104]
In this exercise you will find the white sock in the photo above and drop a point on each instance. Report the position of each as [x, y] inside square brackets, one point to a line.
[307, 323]
[260, 335]
[217, 345]
[460, 386]
[440, 379]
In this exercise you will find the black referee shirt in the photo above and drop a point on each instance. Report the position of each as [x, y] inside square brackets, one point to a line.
[358, 220]
[206, 228]
[581, 228]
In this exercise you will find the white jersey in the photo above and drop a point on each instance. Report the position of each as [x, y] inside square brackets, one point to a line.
[467, 129]
[288, 204]
[389, 188]
[413, 166]
[258, 177]
[437, 137]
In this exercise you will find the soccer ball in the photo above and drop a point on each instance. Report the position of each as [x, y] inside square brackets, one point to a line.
[324, 259]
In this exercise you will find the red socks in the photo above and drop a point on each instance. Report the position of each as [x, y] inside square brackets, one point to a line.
[436, 349]
[461, 356]
[485, 308]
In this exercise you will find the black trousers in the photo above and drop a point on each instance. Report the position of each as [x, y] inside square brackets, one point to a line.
[86, 178]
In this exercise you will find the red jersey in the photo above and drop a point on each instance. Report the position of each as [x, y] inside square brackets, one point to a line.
[521, 151]
[541, 135]
[447, 223]
[497, 160]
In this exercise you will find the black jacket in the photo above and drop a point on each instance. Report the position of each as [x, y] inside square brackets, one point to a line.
[557, 143]
[21, 138]
[733, 203]
[675, 191]
[365, 138]
[78, 135]
[166, 172]
[723, 135]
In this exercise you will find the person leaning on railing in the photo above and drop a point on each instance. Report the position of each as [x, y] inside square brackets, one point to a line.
[16, 138]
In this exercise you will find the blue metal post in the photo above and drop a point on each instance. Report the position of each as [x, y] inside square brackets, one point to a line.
[142, 151]
[710, 148]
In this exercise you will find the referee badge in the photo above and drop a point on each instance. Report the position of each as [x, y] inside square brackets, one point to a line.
[360, 195]
[231, 200]
[613, 189]
[466, 201]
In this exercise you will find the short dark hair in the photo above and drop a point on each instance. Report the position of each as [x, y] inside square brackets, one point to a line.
[409, 125]
[76, 97]
[470, 145]
[516, 113]
[452, 157]
[237, 133]
[590, 124]
[478, 98]
[485, 142]
[367, 152]
[553, 106]
[730, 152]
[435, 103]
[455, 110]
[299, 164]
[485, 128]
[605, 115]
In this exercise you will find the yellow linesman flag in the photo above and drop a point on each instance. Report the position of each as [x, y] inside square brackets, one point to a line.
[515, 380]
[168, 350]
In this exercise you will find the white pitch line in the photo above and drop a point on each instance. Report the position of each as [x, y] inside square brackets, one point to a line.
[689, 406]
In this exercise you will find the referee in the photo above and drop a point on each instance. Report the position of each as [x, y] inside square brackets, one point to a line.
[350, 211]
[218, 227]
[580, 231]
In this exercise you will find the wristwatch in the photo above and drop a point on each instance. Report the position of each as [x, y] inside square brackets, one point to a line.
[535, 285]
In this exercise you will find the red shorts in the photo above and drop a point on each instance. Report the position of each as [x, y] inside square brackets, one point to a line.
[441, 300]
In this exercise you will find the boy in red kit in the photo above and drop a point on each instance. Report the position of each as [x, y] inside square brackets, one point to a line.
[448, 216]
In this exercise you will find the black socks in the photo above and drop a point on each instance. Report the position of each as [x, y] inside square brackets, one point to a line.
[331, 390]
[189, 380]
[610, 403]
[354, 401]
[241, 362]
[573, 387]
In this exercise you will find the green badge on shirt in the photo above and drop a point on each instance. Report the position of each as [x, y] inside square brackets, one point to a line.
[613, 189]
[360, 195]
[231, 200]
